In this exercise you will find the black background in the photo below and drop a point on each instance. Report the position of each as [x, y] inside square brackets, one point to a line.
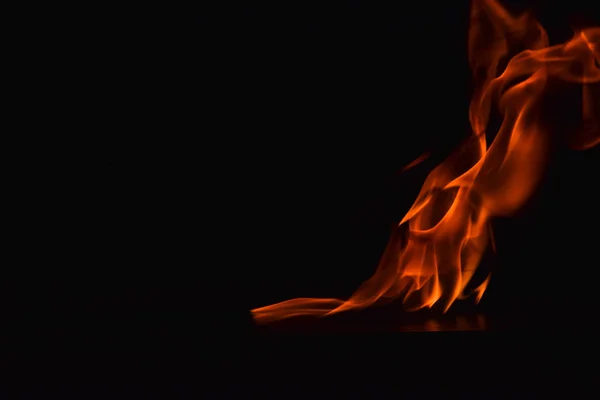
[225, 159]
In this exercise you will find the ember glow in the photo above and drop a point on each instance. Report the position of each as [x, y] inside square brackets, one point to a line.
[438, 245]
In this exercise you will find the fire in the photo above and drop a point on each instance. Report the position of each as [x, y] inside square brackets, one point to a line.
[438, 245]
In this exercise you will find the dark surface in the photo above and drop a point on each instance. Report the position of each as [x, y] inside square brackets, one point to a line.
[255, 159]
[407, 365]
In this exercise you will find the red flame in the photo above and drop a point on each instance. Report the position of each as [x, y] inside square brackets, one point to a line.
[448, 226]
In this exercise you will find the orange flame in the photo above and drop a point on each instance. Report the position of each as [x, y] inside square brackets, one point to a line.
[438, 245]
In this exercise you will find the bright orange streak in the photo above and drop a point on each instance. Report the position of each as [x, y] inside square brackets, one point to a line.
[416, 162]
[439, 243]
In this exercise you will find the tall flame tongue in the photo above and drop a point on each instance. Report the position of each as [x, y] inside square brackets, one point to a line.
[448, 224]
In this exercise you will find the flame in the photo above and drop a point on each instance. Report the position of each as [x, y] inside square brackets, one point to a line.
[416, 162]
[438, 245]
